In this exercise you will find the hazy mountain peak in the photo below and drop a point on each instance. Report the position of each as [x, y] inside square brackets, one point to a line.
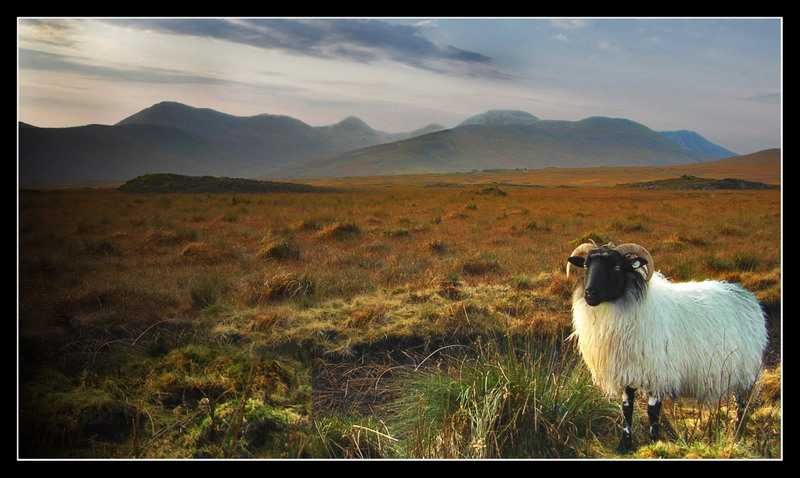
[501, 117]
[179, 115]
[352, 122]
[166, 109]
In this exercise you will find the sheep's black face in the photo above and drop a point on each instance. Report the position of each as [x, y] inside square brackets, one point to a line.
[609, 275]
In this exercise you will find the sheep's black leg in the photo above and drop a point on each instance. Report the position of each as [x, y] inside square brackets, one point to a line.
[653, 413]
[626, 441]
[741, 410]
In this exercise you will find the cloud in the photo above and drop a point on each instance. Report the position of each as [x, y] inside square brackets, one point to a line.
[767, 98]
[569, 24]
[37, 60]
[59, 32]
[357, 40]
[609, 46]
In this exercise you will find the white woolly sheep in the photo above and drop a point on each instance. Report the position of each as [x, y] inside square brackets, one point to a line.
[635, 329]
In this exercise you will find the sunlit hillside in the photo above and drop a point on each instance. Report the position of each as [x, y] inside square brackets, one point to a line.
[763, 166]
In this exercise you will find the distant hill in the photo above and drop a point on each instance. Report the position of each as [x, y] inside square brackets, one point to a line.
[759, 159]
[175, 138]
[175, 183]
[113, 153]
[694, 142]
[477, 145]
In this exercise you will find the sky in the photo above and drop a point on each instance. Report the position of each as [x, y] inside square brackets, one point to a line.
[720, 77]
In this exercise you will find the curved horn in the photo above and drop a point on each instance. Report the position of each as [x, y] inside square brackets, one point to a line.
[638, 251]
[581, 250]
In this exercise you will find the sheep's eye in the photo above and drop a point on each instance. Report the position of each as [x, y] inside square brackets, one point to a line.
[636, 264]
[617, 267]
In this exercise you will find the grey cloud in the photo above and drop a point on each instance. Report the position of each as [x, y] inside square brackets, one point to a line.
[37, 60]
[61, 32]
[354, 39]
[771, 98]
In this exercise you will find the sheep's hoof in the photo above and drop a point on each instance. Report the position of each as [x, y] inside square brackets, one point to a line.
[625, 444]
[655, 432]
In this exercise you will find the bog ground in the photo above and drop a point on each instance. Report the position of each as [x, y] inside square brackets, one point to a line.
[392, 319]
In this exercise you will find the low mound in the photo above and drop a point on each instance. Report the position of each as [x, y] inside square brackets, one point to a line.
[688, 181]
[176, 183]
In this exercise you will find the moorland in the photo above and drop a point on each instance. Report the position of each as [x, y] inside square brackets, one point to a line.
[389, 317]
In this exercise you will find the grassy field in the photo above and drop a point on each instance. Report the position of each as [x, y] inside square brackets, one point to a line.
[407, 320]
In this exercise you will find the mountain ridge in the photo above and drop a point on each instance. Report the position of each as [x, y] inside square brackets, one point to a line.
[692, 140]
[264, 138]
[591, 142]
[171, 137]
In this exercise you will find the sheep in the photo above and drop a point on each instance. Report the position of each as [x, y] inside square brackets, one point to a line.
[635, 329]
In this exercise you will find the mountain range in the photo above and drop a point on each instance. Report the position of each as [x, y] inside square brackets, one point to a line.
[171, 137]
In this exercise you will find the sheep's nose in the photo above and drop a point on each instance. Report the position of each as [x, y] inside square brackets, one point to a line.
[591, 295]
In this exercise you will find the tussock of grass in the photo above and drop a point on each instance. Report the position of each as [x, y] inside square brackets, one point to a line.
[164, 237]
[670, 245]
[201, 253]
[308, 224]
[450, 288]
[207, 290]
[437, 246]
[70, 416]
[284, 246]
[520, 400]
[397, 232]
[479, 264]
[287, 286]
[340, 230]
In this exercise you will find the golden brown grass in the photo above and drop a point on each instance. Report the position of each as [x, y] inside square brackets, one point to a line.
[105, 277]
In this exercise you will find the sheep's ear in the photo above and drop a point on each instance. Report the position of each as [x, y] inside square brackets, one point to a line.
[577, 261]
[637, 262]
